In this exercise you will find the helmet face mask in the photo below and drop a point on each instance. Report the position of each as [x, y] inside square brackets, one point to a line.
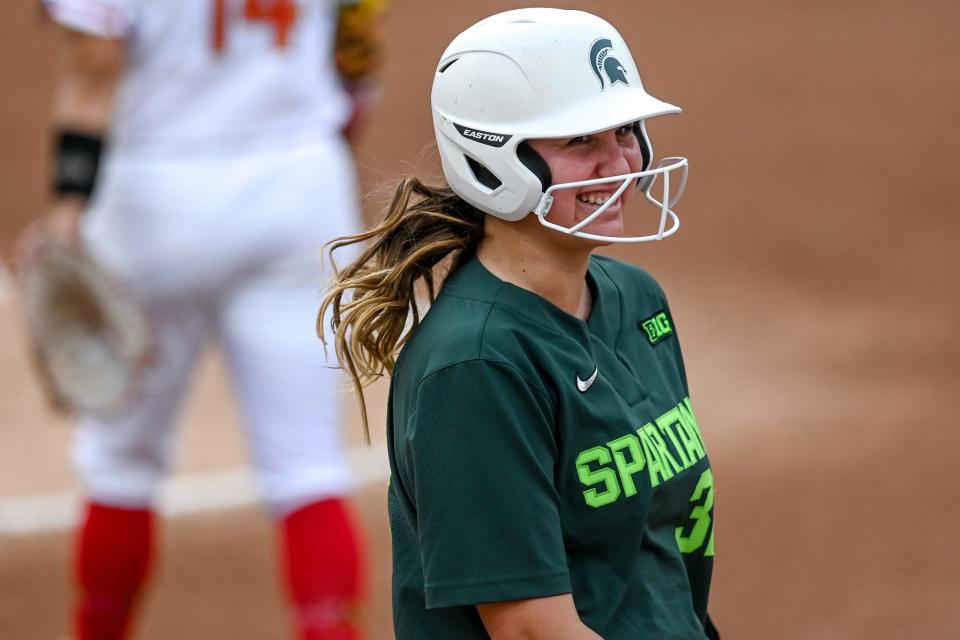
[643, 180]
[538, 73]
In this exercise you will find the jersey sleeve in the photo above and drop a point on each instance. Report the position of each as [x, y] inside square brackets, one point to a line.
[482, 454]
[103, 18]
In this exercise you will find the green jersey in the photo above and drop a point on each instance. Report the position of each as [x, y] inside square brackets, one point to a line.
[535, 454]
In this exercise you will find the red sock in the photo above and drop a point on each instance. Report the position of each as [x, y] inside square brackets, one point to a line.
[322, 557]
[113, 552]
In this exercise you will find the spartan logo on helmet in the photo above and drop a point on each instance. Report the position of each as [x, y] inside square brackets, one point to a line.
[604, 63]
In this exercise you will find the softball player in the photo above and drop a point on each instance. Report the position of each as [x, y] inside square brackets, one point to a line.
[549, 478]
[212, 131]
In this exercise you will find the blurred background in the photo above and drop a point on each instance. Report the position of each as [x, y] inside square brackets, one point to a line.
[815, 284]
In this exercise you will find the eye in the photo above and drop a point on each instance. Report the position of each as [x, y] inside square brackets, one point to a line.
[625, 130]
[573, 142]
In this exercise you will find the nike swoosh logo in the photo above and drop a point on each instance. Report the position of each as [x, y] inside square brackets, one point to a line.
[583, 385]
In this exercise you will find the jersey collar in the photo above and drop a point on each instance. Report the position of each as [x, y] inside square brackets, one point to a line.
[603, 321]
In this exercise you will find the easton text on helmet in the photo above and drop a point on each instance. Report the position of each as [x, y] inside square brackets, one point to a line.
[485, 137]
[603, 62]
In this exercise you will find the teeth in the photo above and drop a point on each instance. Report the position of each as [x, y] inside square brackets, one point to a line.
[592, 199]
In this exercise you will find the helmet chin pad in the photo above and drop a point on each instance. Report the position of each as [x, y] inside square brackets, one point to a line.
[645, 151]
[535, 162]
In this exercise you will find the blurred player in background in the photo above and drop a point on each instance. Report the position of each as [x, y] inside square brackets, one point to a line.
[203, 156]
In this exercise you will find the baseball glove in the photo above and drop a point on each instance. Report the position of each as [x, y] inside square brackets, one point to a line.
[91, 342]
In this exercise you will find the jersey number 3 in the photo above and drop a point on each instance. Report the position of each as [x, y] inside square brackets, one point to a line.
[280, 14]
[700, 515]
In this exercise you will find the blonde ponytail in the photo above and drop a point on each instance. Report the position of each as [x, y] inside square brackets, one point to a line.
[423, 225]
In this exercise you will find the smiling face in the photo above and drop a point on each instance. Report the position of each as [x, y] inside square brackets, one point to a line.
[600, 155]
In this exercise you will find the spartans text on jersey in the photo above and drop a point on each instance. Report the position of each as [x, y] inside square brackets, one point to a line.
[608, 470]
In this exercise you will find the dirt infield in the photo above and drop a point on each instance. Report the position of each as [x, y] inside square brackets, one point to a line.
[815, 284]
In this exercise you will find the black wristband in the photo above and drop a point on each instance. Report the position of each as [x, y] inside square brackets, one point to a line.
[77, 160]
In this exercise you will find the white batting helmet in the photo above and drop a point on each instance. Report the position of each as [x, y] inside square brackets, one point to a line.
[541, 73]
